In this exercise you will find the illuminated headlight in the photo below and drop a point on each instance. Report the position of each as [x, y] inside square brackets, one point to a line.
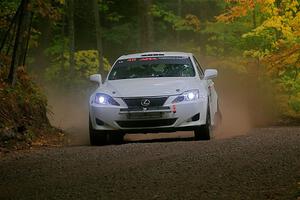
[192, 95]
[105, 99]
[189, 96]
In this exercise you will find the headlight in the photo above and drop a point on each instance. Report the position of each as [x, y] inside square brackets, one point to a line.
[105, 99]
[190, 95]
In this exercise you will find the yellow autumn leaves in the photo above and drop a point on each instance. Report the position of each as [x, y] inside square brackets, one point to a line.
[276, 25]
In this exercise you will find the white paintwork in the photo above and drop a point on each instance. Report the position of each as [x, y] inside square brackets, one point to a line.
[210, 74]
[155, 87]
[96, 78]
[141, 87]
[141, 55]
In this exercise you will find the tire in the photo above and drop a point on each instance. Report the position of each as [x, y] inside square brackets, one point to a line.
[103, 137]
[97, 137]
[218, 116]
[204, 132]
[116, 138]
[217, 121]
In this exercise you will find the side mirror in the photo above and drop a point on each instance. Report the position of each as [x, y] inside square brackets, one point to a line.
[210, 74]
[96, 78]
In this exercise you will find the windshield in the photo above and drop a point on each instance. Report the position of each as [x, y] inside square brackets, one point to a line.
[150, 67]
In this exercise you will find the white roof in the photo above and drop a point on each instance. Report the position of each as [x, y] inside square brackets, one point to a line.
[155, 54]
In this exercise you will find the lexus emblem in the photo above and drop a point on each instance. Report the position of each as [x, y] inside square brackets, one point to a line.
[145, 102]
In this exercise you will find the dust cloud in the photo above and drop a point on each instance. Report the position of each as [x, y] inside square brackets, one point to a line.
[243, 106]
[245, 103]
[69, 112]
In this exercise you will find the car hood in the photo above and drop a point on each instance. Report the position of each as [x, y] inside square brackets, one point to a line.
[150, 86]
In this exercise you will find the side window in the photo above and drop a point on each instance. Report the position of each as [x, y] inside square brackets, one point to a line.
[199, 68]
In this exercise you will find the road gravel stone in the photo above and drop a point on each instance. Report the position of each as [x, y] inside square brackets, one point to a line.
[264, 164]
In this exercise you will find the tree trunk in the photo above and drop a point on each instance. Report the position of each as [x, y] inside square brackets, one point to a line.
[28, 38]
[99, 38]
[149, 22]
[62, 62]
[10, 27]
[141, 20]
[254, 18]
[179, 13]
[71, 35]
[11, 38]
[24, 41]
[146, 35]
[19, 34]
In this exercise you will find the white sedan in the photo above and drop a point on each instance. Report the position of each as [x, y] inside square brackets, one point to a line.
[153, 92]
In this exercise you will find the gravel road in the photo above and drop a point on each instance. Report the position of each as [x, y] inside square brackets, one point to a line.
[265, 164]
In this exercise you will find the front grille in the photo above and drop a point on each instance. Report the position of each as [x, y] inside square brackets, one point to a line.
[148, 109]
[146, 123]
[137, 102]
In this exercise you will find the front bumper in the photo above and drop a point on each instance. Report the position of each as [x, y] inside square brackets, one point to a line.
[169, 117]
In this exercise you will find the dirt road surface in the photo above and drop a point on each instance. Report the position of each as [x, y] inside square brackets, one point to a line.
[265, 164]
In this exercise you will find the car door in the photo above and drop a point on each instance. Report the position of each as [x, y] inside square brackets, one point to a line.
[213, 99]
[212, 94]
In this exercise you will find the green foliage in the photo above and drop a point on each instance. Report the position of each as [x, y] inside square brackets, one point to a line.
[288, 87]
[268, 32]
[7, 11]
[226, 38]
[118, 34]
[62, 74]
[23, 113]
[250, 37]
[189, 23]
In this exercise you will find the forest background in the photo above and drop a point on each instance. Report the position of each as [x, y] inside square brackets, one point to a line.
[57, 44]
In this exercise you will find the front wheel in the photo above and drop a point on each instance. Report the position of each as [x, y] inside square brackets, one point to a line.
[204, 132]
[97, 137]
[103, 137]
[116, 138]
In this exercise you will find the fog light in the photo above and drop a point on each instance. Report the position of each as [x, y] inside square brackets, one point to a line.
[99, 122]
[196, 117]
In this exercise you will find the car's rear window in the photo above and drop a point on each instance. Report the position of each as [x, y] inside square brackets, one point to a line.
[149, 67]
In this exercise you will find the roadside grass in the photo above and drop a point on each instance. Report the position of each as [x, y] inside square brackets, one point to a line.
[23, 114]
